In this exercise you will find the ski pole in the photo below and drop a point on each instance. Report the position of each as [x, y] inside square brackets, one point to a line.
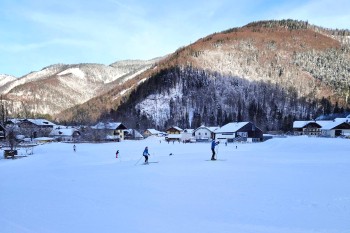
[138, 160]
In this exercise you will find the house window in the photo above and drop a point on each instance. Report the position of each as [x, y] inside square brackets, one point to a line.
[199, 133]
[205, 134]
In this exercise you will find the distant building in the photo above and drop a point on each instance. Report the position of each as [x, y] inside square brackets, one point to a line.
[187, 135]
[65, 133]
[204, 133]
[332, 128]
[132, 134]
[32, 128]
[242, 131]
[151, 132]
[111, 130]
[173, 134]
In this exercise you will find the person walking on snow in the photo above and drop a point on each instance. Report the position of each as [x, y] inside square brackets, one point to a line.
[213, 144]
[116, 154]
[74, 148]
[146, 154]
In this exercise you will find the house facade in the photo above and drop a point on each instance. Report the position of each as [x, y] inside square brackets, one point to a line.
[111, 130]
[204, 133]
[151, 132]
[310, 128]
[242, 131]
[332, 128]
[32, 128]
[173, 134]
[65, 133]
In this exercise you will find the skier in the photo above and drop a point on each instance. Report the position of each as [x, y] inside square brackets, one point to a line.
[146, 154]
[116, 154]
[74, 148]
[213, 144]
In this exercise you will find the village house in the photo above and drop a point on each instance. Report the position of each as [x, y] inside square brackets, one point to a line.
[65, 133]
[111, 130]
[132, 134]
[332, 128]
[173, 134]
[32, 128]
[187, 135]
[243, 131]
[151, 132]
[204, 133]
[311, 128]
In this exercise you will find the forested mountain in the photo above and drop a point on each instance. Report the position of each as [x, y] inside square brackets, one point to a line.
[58, 87]
[269, 72]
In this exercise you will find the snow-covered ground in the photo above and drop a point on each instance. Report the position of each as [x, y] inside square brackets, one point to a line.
[284, 185]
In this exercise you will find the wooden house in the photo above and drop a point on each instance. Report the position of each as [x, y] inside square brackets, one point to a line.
[243, 131]
[173, 134]
[174, 130]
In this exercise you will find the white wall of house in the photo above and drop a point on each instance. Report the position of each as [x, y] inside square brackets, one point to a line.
[202, 133]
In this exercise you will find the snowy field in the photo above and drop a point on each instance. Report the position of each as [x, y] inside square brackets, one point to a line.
[284, 185]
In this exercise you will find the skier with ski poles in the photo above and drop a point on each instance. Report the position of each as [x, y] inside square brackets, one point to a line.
[146, 154]
[213, 144]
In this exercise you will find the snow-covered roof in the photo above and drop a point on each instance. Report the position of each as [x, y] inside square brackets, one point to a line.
[210, 128]
[188, 130]
[300, 124]
[153, 131]
[109, 125]
[175, 127]
[331, 124]
[41, 122]
[63, 131]
[231, 127]
[134, 132]
[324, 124]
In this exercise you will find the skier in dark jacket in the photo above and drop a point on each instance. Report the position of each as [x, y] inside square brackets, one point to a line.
[146, 154]
[213, 144]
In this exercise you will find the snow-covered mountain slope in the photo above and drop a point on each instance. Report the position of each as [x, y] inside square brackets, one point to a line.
[58, 87]
[5, 79]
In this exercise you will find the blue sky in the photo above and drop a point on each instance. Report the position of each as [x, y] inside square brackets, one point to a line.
[38, 33]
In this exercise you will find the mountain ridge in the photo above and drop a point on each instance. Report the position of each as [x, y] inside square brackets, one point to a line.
[306, 64]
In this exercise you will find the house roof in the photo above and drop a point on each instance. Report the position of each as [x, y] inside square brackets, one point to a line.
[135, 132]
[331, 125]
[323, 124]
[153, 131]
[211, 128]
[175, 127]
[63, 131]
[188, 130]
[38, 122]
[41, 122]
[231, 127]
[109, 125]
